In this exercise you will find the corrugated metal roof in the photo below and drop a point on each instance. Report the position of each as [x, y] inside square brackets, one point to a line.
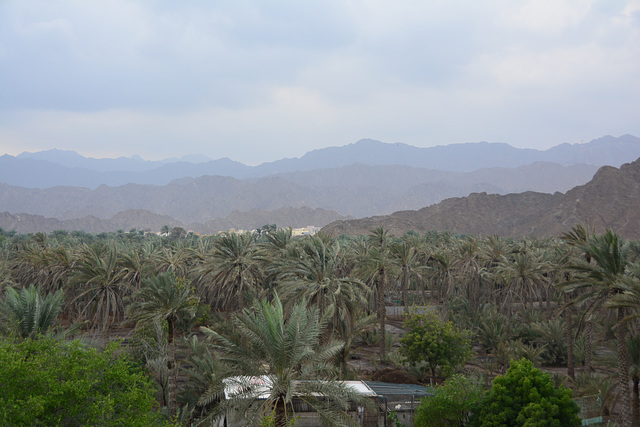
[389, 389]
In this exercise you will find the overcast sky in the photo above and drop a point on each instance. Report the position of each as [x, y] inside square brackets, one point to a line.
[258, 80]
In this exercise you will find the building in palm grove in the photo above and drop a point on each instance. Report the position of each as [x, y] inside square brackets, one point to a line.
[401, 399]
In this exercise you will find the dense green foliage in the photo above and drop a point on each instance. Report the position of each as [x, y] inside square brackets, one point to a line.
[551, 301]
[436, 343]
[525, 396]
[49, 382]
[451, 405]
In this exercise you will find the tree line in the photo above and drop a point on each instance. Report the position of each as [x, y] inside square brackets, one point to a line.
[570, 301]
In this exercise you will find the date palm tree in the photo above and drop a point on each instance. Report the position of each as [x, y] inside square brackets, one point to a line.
[316, 276]
[29, 312]
[233, 269]
[284, 351]
[164, 299]
[99, 286]
[601, 282]
[405, 256]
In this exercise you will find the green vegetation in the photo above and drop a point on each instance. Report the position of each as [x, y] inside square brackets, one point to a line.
[50, 382]
[439, 345]
[526, 397]
[452, 404]
[549, 301]
[285, 349]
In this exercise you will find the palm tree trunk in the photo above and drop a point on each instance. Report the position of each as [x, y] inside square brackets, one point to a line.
[623, 370]
[280, 413]
[587, 346]
[405, 288]
[382, 312]
[172, 375]
[570, 362]
[635, 401]
[343, 363]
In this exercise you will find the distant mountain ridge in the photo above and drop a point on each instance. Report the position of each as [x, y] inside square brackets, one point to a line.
[51, 168]
[610, 199]
[287, 193]
[356, 191]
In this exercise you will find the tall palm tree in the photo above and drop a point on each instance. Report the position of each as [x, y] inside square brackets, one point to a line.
[164, 299]
[524, 277]
[600, 281]
[405, 256]
[99, 286]
[233, 269]
[316, 276]
[578, 240]
[285, 351]
[373, 265]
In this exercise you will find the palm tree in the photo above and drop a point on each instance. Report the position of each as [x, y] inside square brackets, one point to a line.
[136, 264]
[578, 239]
[233, 269]
[173, 259]
[316, 276]
[373, 265]
[601, 280]
[405, 256]
[524, 275]
[30, 312]
[100, 288]
[285, 352]
[164, 299]
[633, 347]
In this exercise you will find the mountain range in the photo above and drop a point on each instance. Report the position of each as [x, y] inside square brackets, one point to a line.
[52, 168]
[610, 200]
[363, 179]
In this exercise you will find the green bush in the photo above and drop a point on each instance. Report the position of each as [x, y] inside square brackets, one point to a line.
[451, 404]
[49, 382]
[525, 396]
[437, 344]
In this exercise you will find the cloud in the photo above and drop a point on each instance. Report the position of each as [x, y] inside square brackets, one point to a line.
[257, 80]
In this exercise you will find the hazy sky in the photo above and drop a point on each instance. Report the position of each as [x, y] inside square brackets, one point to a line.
[258, 80]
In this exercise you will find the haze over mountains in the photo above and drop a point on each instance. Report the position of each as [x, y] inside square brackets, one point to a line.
[68, 191]
[51, 168]
[610, 200]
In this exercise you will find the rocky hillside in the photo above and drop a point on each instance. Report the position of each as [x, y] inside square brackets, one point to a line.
[356, 190]
[141, 219]
[610, 199]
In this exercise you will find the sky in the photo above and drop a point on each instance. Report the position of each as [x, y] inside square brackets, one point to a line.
[260, 80]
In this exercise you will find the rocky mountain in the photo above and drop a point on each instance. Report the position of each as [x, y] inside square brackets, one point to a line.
[610, 199]
[357, 190]
[51, 168]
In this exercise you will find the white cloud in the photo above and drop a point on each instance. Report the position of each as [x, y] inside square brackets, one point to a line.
[259, 80]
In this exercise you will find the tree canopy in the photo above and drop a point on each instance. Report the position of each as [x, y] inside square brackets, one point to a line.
[50, 382]
[525, 396]
[434, 342]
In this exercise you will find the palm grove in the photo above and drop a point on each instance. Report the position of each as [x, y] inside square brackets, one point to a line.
[207, 311]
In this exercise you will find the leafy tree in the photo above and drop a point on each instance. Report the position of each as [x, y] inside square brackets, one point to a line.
[525, 396]
[49, 382]
[451, 404]
[434, 342]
